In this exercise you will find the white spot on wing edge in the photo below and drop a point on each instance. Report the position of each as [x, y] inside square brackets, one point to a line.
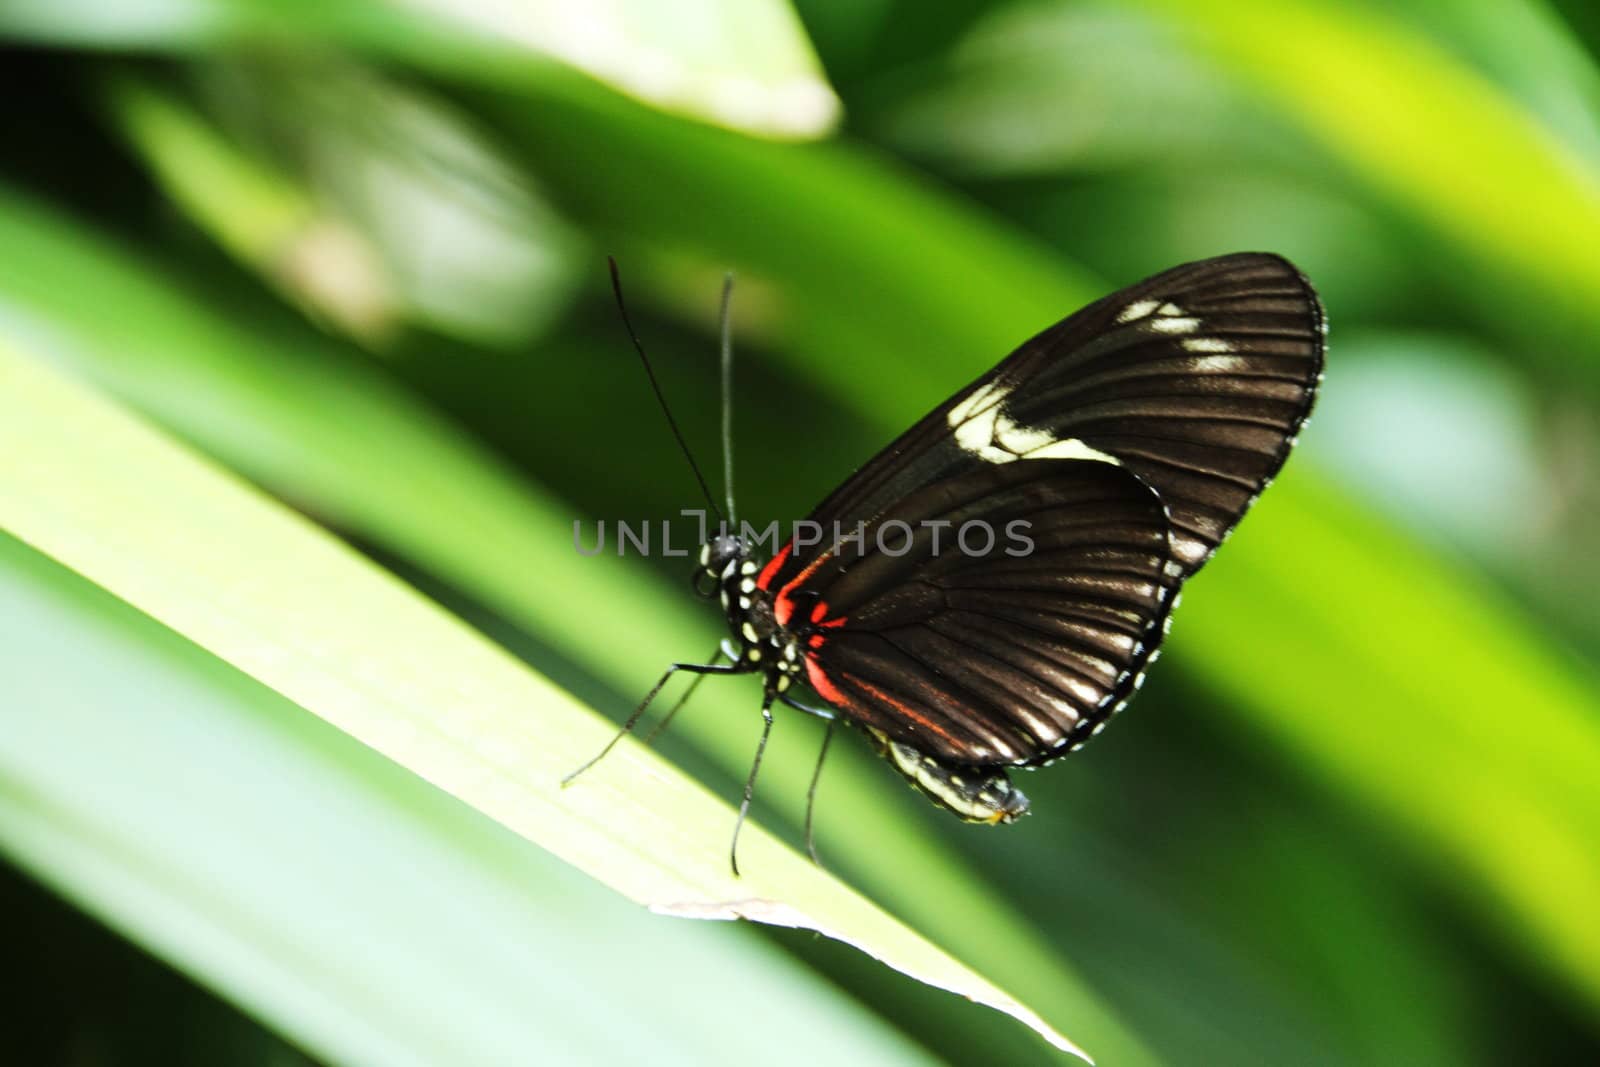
[973, 431]
[989, 393]
[1206, 344]
[1137, 310]
[996, 439]
[976, 435]
[1072, 448]
[1019, 439]
[944, 973]
[1175, 324]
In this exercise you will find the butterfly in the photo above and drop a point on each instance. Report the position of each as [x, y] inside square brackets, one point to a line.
[989, 589]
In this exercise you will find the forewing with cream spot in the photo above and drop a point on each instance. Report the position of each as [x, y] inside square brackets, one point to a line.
[1161, 412]
[1196, 380]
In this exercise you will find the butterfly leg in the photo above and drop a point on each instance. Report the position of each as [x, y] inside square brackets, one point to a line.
[666, 720]
[811, 792]
[821, 713]
[633, 720]
[816, 775]
[750, 782]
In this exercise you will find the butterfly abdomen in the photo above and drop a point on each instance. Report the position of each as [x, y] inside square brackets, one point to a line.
[974, 794]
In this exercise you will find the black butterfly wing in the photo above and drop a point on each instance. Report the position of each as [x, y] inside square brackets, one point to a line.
[1197, 380]
[1140, 429]
[1004, 644]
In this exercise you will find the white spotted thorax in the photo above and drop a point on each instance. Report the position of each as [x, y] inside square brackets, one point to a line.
[760, 643]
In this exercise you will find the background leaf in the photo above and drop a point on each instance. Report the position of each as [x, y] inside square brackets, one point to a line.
[275, 857]
[746, 65]
[1350, 822]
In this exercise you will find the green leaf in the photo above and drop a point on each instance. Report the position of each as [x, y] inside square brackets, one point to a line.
[1045, 88]
[257, 214]
[1432, 135]
[337, 897]
[744, 64]
[1448, 715]
[281, 601]
[367, 203]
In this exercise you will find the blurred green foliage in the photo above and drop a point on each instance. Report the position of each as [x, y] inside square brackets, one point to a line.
[355, 253]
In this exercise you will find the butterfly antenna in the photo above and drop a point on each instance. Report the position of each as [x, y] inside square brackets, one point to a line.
[726, 321]
[616, 287]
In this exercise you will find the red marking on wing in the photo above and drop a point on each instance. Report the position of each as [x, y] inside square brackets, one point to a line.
[830, 692]
[815, 640]
[774, 565]
[824, 686]
[783, 606]
[897, 704]
[818, 614]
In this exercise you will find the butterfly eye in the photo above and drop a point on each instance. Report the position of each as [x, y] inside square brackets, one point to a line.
[704, 583]
[721, 551]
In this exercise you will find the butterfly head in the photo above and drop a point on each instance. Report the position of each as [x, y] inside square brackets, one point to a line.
[720, 559]
[725, 563]
[721, 552]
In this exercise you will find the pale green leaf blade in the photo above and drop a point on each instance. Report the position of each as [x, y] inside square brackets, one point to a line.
[1425, 130]
[274, 596]
[377, 209]
[361, 912]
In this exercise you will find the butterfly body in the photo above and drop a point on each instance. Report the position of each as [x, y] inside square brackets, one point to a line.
[1122, 445]
[760, 643]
